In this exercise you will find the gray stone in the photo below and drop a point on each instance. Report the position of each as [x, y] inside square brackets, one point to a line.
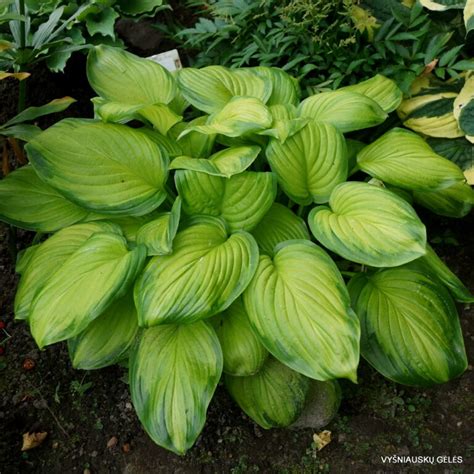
[322, 403]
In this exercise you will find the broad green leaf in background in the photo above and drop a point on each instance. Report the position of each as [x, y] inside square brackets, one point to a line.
[100, 271]
[102, 22]
[404, 159]
[274, 397]
[29, 203]
[108, 168]
[464, 108]
[158, 235]
[442, 5]
[107, 338]
[138, 7]
[369, 225]
[346, 110]
[224, 163]
[455, 201]
[380, 89]
[243, 352]
[119, 76]
[241, 200]
[278, 225]
[206, 272]
[285, 89]
[298, 304]
[224, 83]
[240, 116]
[432, 264]
[310, 163]
[459, 151]
[49, 257]
[410, 328]
[22, 131]
[469, 15]
[174, 371]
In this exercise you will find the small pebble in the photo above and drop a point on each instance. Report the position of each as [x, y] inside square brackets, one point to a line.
[126, 448]
[112, 442]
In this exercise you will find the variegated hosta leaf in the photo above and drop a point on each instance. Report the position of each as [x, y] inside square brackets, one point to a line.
[243, 352]
[168, 145]
[119, 76]
[205, 273]
[193, 143]
[174, 371]
[410, 329]
[274, 397]
[285, 89]
[158, 235]
[369, 225]
[346, 110]
[161, 116]
[469, 15]
[459, 151]
[108, 168]
[48, 258]
[431, 114]
[240, 116]
[132, 224]
[381, 89]
[29, 203]
[464, 108]
[24, 257]
[98, 272]
[107, 339]
[404, 159]
[310, 163]
[455, 201]
[209, 89]
[241, 200]
[278, 225]
[442, 5]
[433, 265]
[298, 304]
[224, 163]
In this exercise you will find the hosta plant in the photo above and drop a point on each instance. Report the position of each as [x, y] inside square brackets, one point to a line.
[214, 239]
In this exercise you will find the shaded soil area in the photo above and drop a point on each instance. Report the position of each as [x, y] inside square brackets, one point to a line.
[91, 424]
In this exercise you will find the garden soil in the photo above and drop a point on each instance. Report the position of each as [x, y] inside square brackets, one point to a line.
[91, 426]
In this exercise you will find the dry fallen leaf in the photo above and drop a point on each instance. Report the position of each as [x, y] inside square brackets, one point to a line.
[112, 442]
[33, 440]
[322, 439]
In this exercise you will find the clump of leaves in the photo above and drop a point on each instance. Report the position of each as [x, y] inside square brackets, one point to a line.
[328, 43]
[219, 244]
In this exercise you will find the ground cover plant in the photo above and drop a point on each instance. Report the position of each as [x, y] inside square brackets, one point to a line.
[324, 43]
[235, 230]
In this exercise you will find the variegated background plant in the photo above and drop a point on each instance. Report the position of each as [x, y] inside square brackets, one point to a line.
[223, 244]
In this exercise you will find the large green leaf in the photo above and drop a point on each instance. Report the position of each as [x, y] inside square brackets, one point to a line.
[240, 116]
[205, 273]
[243, 352]
[174, 371]
[382, 90]
[404, 159]
[455, 201]
[138, 7]
[48, 257]
[107, 338]
[29, 203]
[224, 163]
[209, 89]
[410, 329]
[369, 225]
[157, 235]
[274, 397]
[298, 304]
[310, 163]
[279, 224]
[100, 271]
[241, 200]
[285, 89]
[119, 76]
[346, 110]
[433, 265]
[107, 168]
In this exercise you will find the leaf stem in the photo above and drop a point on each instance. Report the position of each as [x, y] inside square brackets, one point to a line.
[22, 84]
[300, 210]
